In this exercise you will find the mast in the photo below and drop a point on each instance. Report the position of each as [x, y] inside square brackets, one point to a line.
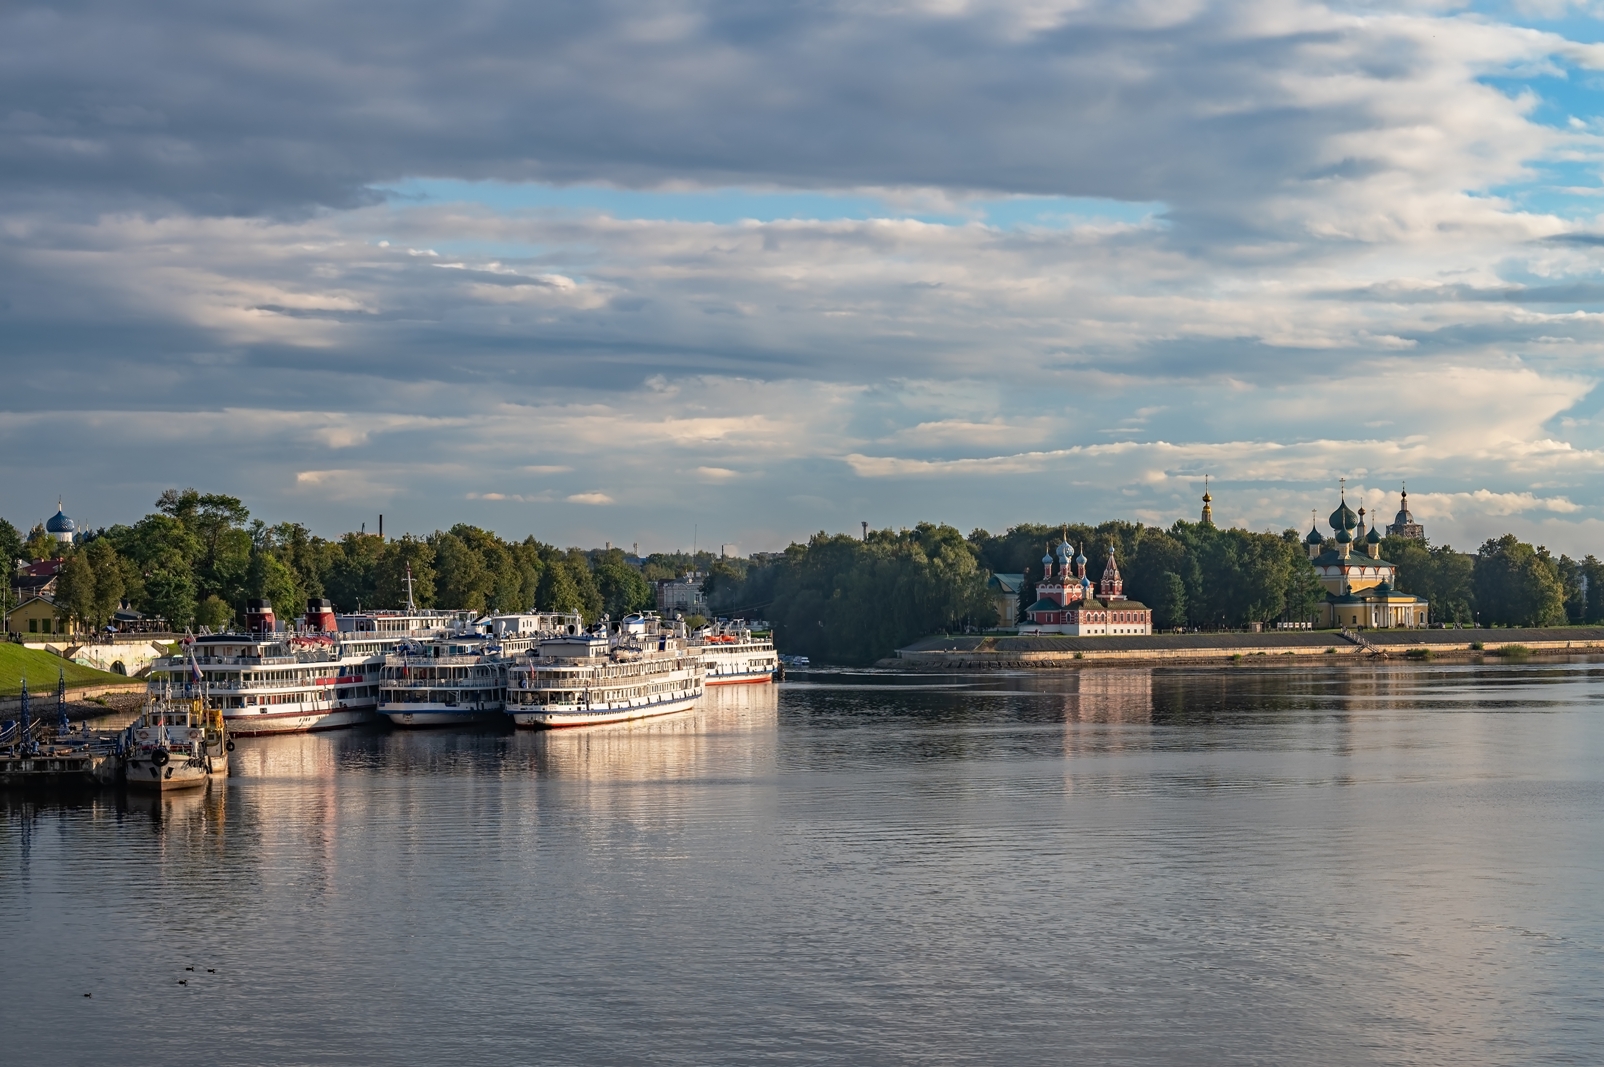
[411, 607]
[26, 724]
[62, 726]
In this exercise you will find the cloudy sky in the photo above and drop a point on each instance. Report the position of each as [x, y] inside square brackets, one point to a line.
[655, 271]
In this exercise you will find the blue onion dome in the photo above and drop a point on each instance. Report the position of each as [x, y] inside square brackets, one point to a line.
[1086, 583]
[1047, 560]
[1064, 550]
[1344, 518]
[1080, 557]
[1374, 536]
[1314, 537]
[59, 523]
[1344, 537]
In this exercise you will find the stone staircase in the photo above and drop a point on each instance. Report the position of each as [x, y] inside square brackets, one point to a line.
[1357, 638]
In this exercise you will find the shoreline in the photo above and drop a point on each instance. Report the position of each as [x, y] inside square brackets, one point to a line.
[1058, 652]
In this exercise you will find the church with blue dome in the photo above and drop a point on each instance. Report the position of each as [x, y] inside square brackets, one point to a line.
[1068, 603]
[60, 528]
[1361, 587]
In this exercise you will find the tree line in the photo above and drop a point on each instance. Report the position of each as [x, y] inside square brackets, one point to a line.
[198, 557]
[843, 599]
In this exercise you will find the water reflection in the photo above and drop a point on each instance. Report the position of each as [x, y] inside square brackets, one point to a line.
[1336, 865]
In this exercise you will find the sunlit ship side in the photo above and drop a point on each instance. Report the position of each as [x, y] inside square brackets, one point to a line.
[639, 671]
[462, 678]
[733, 655]
[323, 675]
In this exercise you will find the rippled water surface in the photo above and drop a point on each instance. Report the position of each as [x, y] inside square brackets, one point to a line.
[1402, 864]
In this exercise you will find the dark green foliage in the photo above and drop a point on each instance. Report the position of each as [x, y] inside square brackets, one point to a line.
[214, 613]
[10, 546]
[1517, 585]
[1438, 573]
[839, 599]
[170, 590]
[351, 574]
[623, 589]
[406, 554]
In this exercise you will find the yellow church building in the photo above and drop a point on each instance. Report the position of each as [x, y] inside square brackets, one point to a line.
[1361, 587]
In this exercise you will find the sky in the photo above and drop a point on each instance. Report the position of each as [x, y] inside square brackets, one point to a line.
[674, 273]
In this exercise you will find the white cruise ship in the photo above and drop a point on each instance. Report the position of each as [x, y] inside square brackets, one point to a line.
[320, 676]
[639, 671]
[462, 678]
[731, 655]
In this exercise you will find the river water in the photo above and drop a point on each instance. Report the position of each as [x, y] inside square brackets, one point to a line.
[1391, 864]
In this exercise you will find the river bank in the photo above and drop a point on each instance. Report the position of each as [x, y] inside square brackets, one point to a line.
[1055, 651]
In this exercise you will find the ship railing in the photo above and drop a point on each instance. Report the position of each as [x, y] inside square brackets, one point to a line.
[419, 662]
[250, 687]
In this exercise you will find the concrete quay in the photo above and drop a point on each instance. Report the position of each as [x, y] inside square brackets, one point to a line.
[1054, 651]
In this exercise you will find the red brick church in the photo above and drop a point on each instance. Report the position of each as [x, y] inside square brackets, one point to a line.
[1065, 604]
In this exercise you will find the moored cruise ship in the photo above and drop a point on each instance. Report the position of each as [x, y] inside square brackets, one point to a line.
[462, 677]
[732, 655]
[320, 676]
[639, 671]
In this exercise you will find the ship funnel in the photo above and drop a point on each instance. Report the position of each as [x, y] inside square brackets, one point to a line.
[320, 616]
[259, 617]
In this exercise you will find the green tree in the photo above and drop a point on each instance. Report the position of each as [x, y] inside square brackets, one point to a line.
[844, 600]
[75, 588]
[110, 581]
[1437, 573]
[1593, 572]
[10, 547]
[623, 590]
[1168, 601]
[461, 577]
[216, 522]
[1517, 585]
[391, 568]
[558, 591]
[351, 576]
[215, 614]
[170, 590]
[41, 545]
[270, 578]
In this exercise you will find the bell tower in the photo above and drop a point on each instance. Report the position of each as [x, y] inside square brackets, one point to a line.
[1208, 504]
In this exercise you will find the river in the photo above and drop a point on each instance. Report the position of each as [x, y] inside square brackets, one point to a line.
[1379, 864]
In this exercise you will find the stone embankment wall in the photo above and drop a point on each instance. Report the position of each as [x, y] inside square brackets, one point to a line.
[82, 702]
[993, 653]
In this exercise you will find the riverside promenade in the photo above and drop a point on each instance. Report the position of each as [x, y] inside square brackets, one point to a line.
[1051, 650]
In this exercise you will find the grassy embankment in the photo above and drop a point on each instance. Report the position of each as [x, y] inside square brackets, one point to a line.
[42, 669]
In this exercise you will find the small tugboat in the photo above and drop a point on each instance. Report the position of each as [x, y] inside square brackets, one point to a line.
[176, 744]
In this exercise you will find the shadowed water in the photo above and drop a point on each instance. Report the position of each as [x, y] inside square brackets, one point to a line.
[1400, 864]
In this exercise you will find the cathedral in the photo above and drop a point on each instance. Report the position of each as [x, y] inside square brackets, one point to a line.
[1361, 586]
[1065, 604]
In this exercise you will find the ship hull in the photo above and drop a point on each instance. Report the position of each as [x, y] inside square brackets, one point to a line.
[440, 717]
[142, 774]
[559, 718]
[297, 722]
[754, 678]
